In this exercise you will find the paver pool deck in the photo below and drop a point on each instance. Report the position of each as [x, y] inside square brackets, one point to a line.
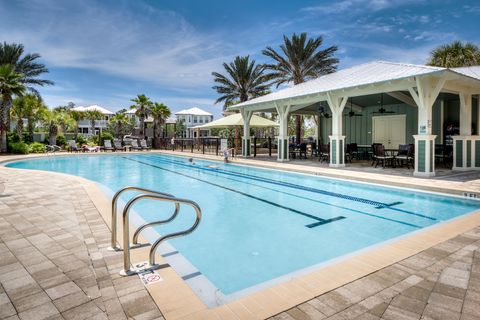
[54, 264]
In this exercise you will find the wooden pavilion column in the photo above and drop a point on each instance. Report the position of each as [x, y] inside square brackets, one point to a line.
[246, 116]
[337, 139]
[427, 92]
[282, 139]
[465, 146]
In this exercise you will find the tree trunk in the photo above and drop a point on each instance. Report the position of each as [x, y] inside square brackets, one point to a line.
[4, 112]
[30, 129]
[75, 132]
[52, 139]
[20, 127]
[142, 126]
[298, 128]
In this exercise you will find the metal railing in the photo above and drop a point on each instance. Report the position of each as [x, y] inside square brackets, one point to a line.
[113, 242]
[152, 195]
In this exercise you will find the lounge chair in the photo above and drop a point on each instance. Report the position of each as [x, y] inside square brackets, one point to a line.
[117, 145]
[143, 144]
[107, 145]
[135, 145]
[72, 146]
[324, 153]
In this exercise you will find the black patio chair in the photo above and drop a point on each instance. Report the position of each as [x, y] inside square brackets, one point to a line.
[380, 155]
[405, 155]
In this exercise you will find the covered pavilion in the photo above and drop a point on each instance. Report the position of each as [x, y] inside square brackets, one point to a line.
[421, 90]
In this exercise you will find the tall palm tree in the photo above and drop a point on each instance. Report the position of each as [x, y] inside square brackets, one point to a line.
[300, 60]
[77, 116]
[10, 85]
[65, 120]
[160, 113]
[143, 106]
[119, 122]
[92, 116]
[25, 64]
[30, 107]
[455, 54]
[244, 79]
[51, 120]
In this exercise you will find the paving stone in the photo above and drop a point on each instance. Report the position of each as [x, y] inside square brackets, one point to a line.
[40, 312]
[62, 290]
[438, 313]
[445, 302]
[26, 302]
[70, 301]
[408, 304]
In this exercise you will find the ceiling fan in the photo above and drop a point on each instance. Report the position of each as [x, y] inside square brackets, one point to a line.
[352, 113]
[321, 110]
[382, 110]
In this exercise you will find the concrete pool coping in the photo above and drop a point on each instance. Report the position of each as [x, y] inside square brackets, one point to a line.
[177, 301]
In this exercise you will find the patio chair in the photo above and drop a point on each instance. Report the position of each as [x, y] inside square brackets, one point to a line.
[302, 150]
[313, 150]
[371, 153]
[134, 145]
[404, 155]
[117, 145]
[353, 151]
[143, 144]
[72, 146]
[107, 145]
[324, 153]
[380, 155]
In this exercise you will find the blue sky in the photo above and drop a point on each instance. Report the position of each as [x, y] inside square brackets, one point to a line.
[106, 52]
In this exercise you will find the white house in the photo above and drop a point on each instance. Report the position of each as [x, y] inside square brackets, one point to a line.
[194, 117]
[100, 124]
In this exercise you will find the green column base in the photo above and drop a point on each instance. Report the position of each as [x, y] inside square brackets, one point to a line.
[282, 149]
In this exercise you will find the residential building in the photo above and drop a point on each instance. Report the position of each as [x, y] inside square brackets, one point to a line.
[194, 117]
[85, 127]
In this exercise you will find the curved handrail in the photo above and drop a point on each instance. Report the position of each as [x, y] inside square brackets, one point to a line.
[126, 233]
[113, 241]
[137, 232]
[198, 212]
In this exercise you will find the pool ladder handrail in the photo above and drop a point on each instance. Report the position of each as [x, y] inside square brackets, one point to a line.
[126, 232]
[116, 196]
[152, 195]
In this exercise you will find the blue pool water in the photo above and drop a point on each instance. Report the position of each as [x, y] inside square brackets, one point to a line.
[261, 224]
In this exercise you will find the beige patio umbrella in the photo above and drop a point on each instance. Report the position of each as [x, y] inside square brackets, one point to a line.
[236, 120]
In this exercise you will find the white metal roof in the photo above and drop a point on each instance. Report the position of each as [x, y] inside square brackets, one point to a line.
[363, 74]
[472, 72]
[93, 107]
[194, 111]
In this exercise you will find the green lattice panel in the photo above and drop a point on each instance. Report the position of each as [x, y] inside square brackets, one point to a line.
[334, 151]
[459, 153]
[421, 156]
[469, 153]
[477, 153]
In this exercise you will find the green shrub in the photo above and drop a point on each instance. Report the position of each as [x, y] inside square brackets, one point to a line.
[81, 140]
[105, 136]
[61, 141]
[12, 137]
[37, 147]
[19, 147]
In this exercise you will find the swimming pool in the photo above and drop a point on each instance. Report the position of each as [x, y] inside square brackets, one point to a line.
[259, 226]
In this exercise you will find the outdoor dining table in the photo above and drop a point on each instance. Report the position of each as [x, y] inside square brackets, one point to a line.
[364, 150]
[393, 153]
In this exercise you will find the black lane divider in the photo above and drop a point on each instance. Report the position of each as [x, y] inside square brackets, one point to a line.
[322, 202]
[376, 204]
[322, 221]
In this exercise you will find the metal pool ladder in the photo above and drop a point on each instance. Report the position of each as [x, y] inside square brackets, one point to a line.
[152, 195]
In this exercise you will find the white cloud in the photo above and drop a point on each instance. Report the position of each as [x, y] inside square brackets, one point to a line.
[157, 46]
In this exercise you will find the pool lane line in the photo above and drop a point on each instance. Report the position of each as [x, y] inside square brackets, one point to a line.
[376, 204]
[239, 192]
[313, 200]
[323, 202]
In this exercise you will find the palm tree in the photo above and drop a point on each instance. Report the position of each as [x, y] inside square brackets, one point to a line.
[10, 85]
[92, 116]
[455, 54]
[160, 113]
[77, 116]
[51, 120]
[26, 65]
[244, 80]
[300, 60]
[30, 107]
[65, 119]
[142, 105]
[119, 122]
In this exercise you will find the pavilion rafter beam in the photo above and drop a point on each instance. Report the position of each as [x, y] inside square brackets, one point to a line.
[403, 98]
